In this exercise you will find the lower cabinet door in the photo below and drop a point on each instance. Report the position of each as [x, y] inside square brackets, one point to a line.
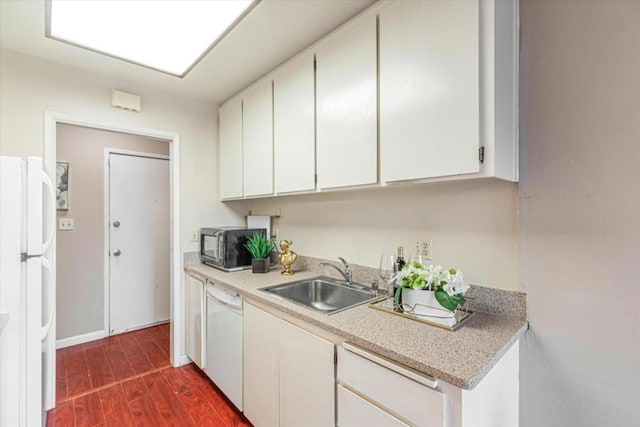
[195, 320]
[307, 379]
[261, 367]
[289, 373]
[354, 411]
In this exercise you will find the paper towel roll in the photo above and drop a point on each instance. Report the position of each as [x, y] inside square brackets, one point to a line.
[260, 221]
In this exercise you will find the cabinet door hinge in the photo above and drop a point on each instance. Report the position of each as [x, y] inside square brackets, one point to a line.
[335, 358]
[315, 178]
[481, 154]
[315, 67]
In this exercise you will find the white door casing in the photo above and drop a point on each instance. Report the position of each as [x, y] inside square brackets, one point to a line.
[51, 119]
[139, 241]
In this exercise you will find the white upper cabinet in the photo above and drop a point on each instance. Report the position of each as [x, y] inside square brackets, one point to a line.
[257, 147]
[429, 89]
[416, 91]
[447, 89]
[346, 106]
[230, 161]
[294, 126]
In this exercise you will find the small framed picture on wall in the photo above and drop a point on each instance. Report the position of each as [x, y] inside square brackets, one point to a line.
[62, 186]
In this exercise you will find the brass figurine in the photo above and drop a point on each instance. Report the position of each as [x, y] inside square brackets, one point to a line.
[287, 257]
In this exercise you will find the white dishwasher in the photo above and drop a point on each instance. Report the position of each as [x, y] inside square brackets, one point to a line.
[224, 341]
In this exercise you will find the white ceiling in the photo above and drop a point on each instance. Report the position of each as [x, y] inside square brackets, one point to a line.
[274, 31]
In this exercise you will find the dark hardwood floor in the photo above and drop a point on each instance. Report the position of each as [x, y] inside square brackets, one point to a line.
[126, 380]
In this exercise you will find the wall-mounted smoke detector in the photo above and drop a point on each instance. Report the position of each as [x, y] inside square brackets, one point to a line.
[126, 101]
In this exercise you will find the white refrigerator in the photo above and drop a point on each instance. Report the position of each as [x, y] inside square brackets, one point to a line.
[27, 293]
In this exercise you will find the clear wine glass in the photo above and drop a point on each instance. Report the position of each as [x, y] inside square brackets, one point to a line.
[388, 270]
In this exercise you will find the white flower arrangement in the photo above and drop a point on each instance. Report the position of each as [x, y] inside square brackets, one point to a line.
[449, 285]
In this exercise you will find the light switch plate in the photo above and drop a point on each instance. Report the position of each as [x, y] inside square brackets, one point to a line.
[65, 224]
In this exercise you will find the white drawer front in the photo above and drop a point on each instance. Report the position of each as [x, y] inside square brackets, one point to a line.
[354, 411]
[412, 401]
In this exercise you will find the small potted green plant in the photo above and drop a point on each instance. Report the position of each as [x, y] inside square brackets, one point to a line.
[260, 247]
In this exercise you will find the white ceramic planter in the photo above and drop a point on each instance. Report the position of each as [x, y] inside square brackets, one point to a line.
[424, 303]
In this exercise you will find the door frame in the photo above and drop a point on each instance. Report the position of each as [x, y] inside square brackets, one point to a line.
[107, 228]
[51, 119]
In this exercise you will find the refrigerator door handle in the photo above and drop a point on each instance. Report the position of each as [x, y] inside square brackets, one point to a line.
[47, 327]
[52, 212]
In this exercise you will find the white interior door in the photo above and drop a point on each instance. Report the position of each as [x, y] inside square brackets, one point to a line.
[139, 241]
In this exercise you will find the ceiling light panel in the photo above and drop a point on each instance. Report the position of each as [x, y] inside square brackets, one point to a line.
[167, 35]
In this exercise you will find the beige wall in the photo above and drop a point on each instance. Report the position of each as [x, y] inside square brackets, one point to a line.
[579, 218]
[31, 86]
[472, 225]
[80, 252]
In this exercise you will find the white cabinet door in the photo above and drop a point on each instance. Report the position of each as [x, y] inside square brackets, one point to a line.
[230, 152]
[346, 90]
[261, 367]
[307, 381]
[429, 89]
[294, 127]
[289, 373]
[195, 319]
[257, 137]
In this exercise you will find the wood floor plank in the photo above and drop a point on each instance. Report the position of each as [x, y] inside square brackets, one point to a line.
[88, 410]
[129, 343]
[195, 375]
[115, 407]
[172, 410]
[61, 389]
[61, 363]
[61, 416]
[134, 389]
[200, 408]
[119, 363]
[154, 353]
[139, 362]
[160, 335]
[78, 380]
[99, 368]
[222, 405]
[145, 413]
[177, 379]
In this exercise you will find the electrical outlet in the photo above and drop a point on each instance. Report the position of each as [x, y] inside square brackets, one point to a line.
[65, 224]
[424, 248]
[194, 235]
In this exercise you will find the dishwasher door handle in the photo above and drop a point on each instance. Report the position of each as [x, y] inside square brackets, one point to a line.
[235, 308]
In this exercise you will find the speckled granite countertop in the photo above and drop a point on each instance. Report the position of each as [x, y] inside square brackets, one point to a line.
[461, 358]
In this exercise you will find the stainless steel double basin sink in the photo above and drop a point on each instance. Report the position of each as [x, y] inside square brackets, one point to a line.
[323, 294]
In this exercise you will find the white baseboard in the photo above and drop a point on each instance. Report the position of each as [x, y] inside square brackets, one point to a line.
[80, 339]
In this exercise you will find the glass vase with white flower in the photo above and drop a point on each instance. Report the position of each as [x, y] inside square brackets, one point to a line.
[434, 285]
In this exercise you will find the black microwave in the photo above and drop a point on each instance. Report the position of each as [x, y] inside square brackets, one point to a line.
[223, 247]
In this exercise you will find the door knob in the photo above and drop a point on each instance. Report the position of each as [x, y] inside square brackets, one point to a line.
[117, 252]
[116, 224]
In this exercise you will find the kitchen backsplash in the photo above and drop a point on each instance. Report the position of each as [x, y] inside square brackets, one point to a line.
[479, 298]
